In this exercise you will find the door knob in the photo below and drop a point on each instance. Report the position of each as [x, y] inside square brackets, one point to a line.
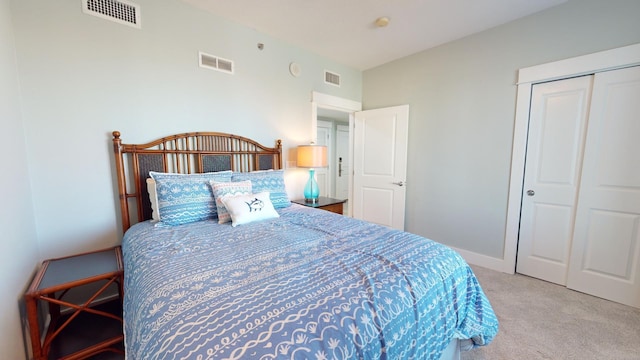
[399, 183]
[531, 192]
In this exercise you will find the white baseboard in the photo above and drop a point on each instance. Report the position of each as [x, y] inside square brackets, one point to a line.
[482, 260]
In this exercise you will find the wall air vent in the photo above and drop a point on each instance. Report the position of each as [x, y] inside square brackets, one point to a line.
[331, 78]
[120, 11]
[215, 63]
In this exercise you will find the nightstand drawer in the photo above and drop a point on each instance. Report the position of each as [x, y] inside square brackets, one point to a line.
[336, 208]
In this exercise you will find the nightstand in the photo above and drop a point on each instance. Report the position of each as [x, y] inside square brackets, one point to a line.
[55, 279]
[324, 203]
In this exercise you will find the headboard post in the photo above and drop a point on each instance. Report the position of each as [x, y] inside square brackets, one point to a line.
[122, 186]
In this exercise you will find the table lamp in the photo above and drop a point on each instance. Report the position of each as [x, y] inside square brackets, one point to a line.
[312, 157]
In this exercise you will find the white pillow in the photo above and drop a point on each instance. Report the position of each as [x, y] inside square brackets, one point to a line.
[153, 197]
[248, 208]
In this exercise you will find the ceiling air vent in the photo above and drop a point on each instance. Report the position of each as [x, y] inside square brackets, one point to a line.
[215, 63]
[331, 78]
[120, 11]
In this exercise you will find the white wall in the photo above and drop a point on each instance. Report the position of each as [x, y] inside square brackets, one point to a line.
[18, 244]
[462, 105]
[83, 77]
[77, 78]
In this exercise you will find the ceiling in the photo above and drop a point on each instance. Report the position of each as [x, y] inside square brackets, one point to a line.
[345, 31]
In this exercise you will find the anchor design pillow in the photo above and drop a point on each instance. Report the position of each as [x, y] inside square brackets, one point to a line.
[245, 209]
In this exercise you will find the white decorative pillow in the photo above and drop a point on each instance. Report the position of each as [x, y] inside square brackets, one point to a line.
[248, 208]
[226, 189]
[153, 198]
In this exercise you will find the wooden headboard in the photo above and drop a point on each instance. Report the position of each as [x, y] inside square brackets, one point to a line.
[185, 153]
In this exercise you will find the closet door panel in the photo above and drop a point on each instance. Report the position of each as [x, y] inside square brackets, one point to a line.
[605, 256]
[557, 126]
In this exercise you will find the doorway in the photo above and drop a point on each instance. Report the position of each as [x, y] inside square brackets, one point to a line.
[333, 132]
[377, 153]
[341, 110]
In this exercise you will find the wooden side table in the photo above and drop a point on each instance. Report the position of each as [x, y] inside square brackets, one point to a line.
[324, 203]
[50, 284]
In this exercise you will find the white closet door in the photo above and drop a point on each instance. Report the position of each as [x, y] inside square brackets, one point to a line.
[605, 259]
[557, 126]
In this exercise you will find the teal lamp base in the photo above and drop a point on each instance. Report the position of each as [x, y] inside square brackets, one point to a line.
[311, 189]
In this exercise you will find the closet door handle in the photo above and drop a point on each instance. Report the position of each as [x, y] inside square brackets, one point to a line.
[531, 192]
[399, 183]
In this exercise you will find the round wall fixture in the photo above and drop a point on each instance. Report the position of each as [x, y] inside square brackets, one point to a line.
[382, 21]
[295, 69]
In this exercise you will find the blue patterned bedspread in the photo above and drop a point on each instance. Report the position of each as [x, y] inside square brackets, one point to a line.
[308, 285]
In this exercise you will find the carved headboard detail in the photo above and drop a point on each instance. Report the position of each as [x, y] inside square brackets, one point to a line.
[185, 153]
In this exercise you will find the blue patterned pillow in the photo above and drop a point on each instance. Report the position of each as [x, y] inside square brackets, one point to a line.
[225, 189]
[271, 181]
[185, 198]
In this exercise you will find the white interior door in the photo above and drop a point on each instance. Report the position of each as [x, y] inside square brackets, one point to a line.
[323, 175]
[343, 161]
[557, 127]
[380, 165]
[605, 259]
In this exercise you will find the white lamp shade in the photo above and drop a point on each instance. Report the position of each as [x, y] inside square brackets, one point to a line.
[312, 156]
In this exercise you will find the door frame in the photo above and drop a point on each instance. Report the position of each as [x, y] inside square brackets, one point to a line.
[527, 77]
[325, 101]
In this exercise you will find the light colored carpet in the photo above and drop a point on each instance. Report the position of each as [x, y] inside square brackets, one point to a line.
[540, 320]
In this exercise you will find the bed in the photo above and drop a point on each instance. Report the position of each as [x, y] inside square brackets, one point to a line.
[220, 282]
